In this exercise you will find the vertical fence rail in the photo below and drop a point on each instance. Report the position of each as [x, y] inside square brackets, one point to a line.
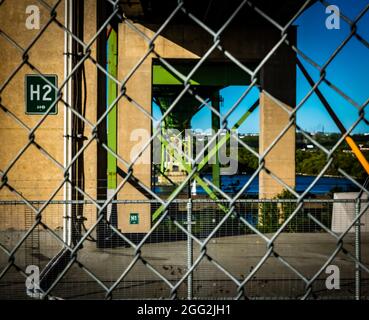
[189, 250]
[357, 249]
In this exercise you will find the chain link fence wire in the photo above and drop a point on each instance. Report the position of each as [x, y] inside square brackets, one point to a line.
[224, 245]
[232, 251]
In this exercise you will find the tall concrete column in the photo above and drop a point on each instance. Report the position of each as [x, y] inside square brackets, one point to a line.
[278, 87]
[134, 129]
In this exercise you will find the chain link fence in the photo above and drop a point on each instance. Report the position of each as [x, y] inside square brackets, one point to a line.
[170, 250]
[221, 245]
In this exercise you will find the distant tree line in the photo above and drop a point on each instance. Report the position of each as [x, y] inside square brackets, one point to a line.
[326, 140]
[310, 161]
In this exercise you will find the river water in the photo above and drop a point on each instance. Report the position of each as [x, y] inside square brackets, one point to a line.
[232, 184]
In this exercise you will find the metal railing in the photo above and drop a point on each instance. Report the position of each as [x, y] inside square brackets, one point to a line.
[170, 254]
[268, 224]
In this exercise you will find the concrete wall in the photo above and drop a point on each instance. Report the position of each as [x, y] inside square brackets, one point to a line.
[278, 96]
[343, 213]
[34, 175]
[281, 158]
[134, 127]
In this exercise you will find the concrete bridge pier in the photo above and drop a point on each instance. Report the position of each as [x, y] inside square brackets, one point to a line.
[278, 94]
[186, 43]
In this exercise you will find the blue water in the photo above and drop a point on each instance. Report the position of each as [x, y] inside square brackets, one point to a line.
[232, 184]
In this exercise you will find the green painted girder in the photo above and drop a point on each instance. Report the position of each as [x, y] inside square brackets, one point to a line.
[181, 115]
[188, 169]
[215, 124]
[204, 161]
[111, 94]
[219, 75]
[162, 160]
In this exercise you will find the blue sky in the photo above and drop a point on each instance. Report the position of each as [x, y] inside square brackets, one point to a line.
[349, 71]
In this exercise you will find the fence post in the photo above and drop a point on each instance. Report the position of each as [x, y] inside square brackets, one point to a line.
[357, 251]
[189, 249]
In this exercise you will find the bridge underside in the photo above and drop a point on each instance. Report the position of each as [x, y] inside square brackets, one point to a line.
[125, 51]
[249, 38]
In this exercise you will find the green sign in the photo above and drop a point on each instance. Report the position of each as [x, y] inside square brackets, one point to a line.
[39, 94]
[133, 218]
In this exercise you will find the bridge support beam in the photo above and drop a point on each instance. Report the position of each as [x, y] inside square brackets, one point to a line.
[277, 95]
